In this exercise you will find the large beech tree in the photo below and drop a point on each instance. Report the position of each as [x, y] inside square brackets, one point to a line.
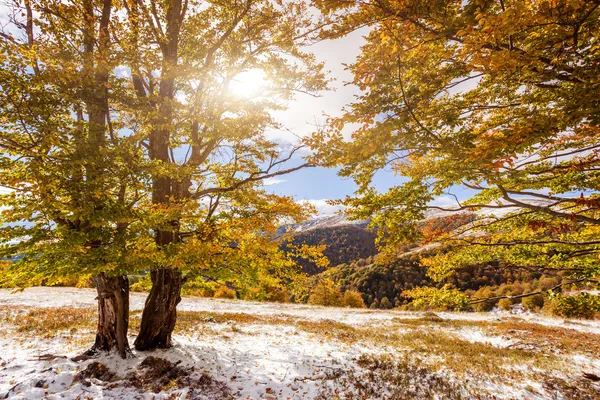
[126, 148]
[183, 57]
[497, 99]
[71, 189]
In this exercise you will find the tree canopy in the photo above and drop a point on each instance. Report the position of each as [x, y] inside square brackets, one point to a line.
[493, 100]
[125, 148]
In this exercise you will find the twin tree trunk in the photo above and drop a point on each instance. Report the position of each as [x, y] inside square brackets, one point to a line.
[160, 310]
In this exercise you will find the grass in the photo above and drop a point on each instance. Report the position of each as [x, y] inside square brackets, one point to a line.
[46, 323]
[399, 378]
[428, 347]
[550, 339]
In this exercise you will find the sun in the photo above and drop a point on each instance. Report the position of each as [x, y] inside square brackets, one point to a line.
[248, 83]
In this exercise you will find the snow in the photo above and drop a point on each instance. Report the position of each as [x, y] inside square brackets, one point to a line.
[254, 360]
[477, 336]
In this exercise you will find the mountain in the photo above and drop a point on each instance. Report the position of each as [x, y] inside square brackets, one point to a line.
[349, 240]
[344, 244]
[330, 221]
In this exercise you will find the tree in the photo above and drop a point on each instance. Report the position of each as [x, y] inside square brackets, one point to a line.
[127, 150]
[353, 299]
[69, 198]
[207, 148]
[497, 98]
[325, 294]
[386, 304]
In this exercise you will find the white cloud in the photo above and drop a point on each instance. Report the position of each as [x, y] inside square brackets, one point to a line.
[324, 209]
[123, 72]
[305, 113]
[4, 190]
[444, 201]
[273, 181]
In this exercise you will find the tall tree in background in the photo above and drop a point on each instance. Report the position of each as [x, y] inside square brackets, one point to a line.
[70, 198]
[207, 145]
[495, 99]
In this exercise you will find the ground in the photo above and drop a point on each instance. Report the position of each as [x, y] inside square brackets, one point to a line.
[228, 349]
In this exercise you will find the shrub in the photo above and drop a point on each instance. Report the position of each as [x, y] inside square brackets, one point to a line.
[225, 293]
[353, 299]
[584, 306]
[484, 293]
[447, 297]
[196, 286]
[278, 295]
[385, 303]
[546, 283]
[533, 303]
[505, 304]
[267, 292]
[140, 284]
[325, 294]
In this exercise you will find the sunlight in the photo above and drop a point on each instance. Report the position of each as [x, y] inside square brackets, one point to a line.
[248, 83]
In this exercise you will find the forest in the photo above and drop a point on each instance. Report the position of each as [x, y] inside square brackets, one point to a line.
[168, 169]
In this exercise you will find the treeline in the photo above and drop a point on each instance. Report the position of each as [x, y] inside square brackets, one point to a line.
[383, 286]
[377, 282]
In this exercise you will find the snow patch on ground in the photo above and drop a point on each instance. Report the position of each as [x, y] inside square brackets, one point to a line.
[477, 336]
[255, 361]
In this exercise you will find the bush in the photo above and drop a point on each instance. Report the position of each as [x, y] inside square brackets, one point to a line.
[385, 303]
[505, 304]
[584, 305]
[546, 283]
[325, 294]
[533, 303]
[484, 293]
[225, 293]
[445, 298]
[278, 295]
[353, 299]
[140, 283]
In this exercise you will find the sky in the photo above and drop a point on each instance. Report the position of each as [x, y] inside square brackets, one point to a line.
[317, 185]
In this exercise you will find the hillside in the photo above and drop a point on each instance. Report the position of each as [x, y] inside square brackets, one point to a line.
[345, 243]
[348, 241]
[378, 281]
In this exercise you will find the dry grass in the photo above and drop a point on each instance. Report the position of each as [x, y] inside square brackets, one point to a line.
[442, 348]
[429, 343]
[549, 339]
[395, 378]
[49, 322]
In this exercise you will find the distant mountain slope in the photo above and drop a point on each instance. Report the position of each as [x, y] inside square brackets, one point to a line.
[330, 221]
[350, 240]
[376, 281]
[345, 243]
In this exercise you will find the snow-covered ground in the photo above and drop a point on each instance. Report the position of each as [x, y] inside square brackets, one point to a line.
[305, 352]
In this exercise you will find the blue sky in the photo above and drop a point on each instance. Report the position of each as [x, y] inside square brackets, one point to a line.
[302, 115]
[324, 183]
[316, 185]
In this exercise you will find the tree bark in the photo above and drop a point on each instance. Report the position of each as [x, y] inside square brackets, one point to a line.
[113, 316]
[160, 310]
[160, 314]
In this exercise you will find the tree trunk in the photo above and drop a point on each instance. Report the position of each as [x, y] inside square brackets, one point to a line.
[113, 316]
[160, 310]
